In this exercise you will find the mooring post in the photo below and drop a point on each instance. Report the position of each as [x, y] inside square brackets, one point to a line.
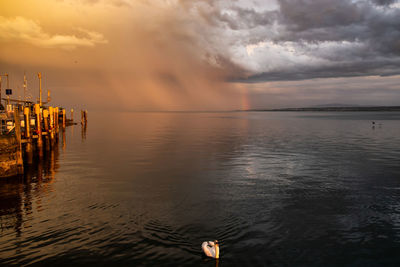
[51, 116]
[85, 117]
[20, 163]
[27, 123]
[28, 146]
[46, 120]
[57, 121]
[63, 119]
[38, 126]
[46, 128]
[55, 118]
[72, 115]
[82, 117]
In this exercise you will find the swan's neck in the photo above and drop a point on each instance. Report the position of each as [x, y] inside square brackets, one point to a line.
[217, 251]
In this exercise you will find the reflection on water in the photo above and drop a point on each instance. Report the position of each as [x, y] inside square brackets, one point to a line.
[18, 193]
[149, 188]
[83, 131]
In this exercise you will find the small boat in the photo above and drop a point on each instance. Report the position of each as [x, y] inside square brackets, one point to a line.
[211, 249]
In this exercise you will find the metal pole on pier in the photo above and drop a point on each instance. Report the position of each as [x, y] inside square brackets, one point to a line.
[40, 88]
[25, 85]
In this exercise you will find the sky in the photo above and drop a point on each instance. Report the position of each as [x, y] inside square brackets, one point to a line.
[139, 55]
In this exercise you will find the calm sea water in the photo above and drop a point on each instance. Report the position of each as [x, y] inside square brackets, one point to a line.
[146, 189]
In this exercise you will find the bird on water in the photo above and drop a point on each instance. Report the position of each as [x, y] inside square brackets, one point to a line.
[211, 249]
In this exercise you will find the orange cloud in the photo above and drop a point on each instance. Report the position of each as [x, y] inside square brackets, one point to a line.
[20, 29]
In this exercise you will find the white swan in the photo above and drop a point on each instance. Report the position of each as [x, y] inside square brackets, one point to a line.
[211, 249]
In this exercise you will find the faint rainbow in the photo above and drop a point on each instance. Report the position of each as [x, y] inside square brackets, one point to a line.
[245, 103]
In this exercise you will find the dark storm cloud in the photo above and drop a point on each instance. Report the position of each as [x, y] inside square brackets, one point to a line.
[342, 38]
[341, 20]
[240, 18]
[304, 15]
[356, 69]
[231, 16]
[383, 2]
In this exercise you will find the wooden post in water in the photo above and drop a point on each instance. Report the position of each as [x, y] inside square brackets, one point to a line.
[46, 121]
[27, 123]
[82, 117]
[46, 128]
[51, 115]
[56, 120]
[72, 115]
[63, 119]
[85, 117]
[27, 119]
[38, 126]
[20, 163]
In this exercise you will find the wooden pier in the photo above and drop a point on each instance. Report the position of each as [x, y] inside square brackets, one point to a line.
[28, 129]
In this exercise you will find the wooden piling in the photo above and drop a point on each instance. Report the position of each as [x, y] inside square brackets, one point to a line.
[63, 119]
[46, 128]
[72, 115]
[28, 134]
[46, 120]
[84, 117]
[56, 121]
[38, 126]
[51, 126]
[27, 122]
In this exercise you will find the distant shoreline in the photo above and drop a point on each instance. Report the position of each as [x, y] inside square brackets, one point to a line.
[374, 108]
[310, 109]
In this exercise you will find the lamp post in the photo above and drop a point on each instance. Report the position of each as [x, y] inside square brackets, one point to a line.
[40, 88]
[25, 85]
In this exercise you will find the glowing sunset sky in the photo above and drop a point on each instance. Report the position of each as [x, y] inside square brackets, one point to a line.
[202, 55]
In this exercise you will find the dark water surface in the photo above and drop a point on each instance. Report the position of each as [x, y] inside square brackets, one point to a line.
[276, 189]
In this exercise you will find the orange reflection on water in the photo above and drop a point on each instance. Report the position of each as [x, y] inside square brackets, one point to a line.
[17, 193]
